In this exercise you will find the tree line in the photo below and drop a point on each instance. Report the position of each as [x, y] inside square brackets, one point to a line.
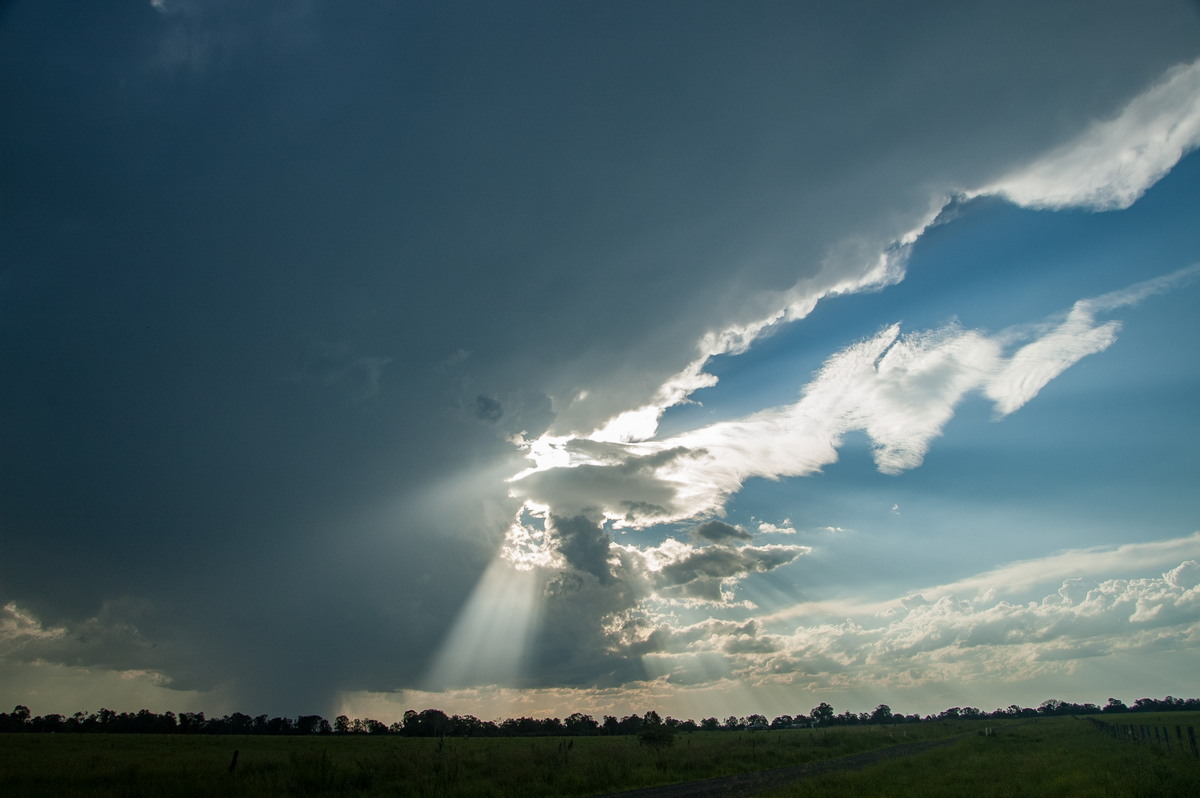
[436, 723]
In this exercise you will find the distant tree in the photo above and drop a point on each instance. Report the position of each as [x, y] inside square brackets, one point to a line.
[710, 724]
[309, 724]
[239, 723]
[822, 713]
[279, 726]
[630, 724]
[48, 724]
[427, 723]
[782, 722]
[189, 722]
[756, 720]
[732, 723]
[341, 724]
[18, 719]
[611, 725]
[1051, 706]
[577, 723]
[882, 714]
[467, 726]
[654, 733]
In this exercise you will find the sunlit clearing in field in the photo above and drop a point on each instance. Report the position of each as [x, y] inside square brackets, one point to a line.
[490, 638]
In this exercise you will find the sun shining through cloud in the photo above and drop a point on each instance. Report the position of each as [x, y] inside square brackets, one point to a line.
[899, 388]
[505, 361]
[489, 641]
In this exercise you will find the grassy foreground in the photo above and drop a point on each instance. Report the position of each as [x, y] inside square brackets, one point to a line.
[180, 765]
[1048, 757]
[1051, 756]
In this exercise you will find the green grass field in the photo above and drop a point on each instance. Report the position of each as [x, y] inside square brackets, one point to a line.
[169, 765]
[1053, 756]
[1048, 757]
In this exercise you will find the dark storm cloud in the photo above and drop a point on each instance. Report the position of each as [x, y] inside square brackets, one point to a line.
[720, 562]
[720, 532]
[195, 192]
[337, 367]
[584, 544]
[577, 644]
[488, 409]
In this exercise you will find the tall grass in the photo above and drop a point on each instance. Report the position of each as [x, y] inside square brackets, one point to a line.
[1046, 757]
[126, 765]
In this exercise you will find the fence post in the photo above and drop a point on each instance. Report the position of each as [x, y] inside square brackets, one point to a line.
[1192, 740]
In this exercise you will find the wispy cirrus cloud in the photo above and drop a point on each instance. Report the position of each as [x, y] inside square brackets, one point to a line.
[1035, 364]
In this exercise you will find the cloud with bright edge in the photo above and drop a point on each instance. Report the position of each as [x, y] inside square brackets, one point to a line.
[900, 388]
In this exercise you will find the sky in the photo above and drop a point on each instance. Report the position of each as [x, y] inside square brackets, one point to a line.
[533, 358]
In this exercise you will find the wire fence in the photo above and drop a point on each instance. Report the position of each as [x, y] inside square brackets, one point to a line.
[1173, 740]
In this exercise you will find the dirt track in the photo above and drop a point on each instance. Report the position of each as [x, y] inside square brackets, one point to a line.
[747, 784]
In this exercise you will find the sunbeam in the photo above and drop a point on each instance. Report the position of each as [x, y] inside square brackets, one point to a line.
[489, 640]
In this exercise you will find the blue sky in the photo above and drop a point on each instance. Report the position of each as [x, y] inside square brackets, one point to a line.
[598, 357]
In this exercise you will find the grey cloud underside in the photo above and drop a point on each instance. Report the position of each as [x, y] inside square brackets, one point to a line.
[702, 574]
[246, 246]
[718, 532]
[627, 482]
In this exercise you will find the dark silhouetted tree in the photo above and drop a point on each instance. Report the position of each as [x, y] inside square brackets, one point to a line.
[654, 733]
[579, 724]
